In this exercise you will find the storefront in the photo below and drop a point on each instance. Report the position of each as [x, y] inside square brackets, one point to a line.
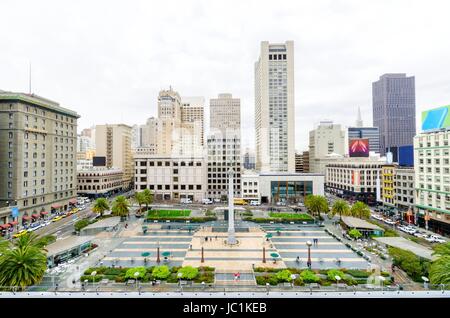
[66, 249]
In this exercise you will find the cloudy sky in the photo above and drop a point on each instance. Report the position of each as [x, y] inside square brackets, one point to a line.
[108, 59]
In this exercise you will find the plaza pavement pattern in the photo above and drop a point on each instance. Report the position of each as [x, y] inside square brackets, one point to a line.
[185, 248]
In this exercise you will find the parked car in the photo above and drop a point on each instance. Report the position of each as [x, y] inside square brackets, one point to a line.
[437, 239]
[389, 221]
[185, 201]
[207, 201]
[216, 200]
[254, 202]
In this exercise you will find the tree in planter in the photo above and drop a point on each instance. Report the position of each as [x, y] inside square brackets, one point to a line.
[100, 206]
[148, 198]
[354, 233]
[309, 276]
[121, 207]
[130, 274]
[81, 224]
[340, 207]
[188, 272]
[284, 276]
[139, 197]
[332, 273]
[316, 204]
[161, 272]
[360, 210]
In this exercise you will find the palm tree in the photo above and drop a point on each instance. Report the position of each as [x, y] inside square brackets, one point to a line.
[31, 240]
[440, 268]
[360, 210]
[140, 199]
[121, 207]
[100, 206]
[340, 207]
[316, 204]
[22, 263]
[148, 198]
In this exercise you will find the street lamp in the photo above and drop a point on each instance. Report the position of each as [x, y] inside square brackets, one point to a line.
[93, 278]
[308, 243]
[425, 282]
[136, 275]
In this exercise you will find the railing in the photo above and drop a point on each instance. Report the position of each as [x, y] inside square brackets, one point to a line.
[176, 288]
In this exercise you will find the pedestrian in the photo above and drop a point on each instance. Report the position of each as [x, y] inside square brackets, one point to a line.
[126, 225]
[317, 242]
[216, 237]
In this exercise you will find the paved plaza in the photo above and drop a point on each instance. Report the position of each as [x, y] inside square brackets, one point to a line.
[181, 245]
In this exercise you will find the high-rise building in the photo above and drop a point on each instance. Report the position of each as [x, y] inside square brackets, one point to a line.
[394, 110]
[224, 146]
[274, 108]
[114, 143]
[249, 160]
[298, 163]
[326, 139]
[432, 179]
[192, 117]
[38, 144]
[361, 132]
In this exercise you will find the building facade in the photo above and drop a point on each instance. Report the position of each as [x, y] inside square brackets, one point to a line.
[224, 146]
[38, 143]
[371, 133]
[394, 110]
[326, 139]
[171, 178]
[275, 108]
[249, 160]
[114, 143]
[432, 179]
[289, 187]
[355, 178]
[99, 181]
[250, 185]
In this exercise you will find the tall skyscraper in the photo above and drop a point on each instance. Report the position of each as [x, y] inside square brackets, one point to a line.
[224, 145]
[394, 110]
[114, 143]
[274, 107]
[38, 142]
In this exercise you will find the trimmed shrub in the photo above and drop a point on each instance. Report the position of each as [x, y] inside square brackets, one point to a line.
[132, 271]
[173, 278]
[298, 281]
[284, 276]
[261, 280]
[309, 276]
[413, 265]
[161, 272]
[91, 279]
[358, 273]
[188, 272]
[81, 224]
[273, 280]
[332, 273]
[354, 233]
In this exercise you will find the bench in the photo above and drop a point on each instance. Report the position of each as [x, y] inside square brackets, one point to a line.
[314, 285]
[341, 285]
[287, 285]
[130, 281]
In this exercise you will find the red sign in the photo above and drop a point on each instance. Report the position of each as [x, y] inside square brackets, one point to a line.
[359, 148]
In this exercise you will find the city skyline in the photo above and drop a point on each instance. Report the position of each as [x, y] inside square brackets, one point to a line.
[111, 68]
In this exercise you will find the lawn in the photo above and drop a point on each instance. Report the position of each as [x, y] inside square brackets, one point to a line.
[169, 213]
[294, 216]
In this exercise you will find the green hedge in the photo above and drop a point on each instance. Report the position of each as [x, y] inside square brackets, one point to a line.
[183, 219]
[168, 213]
[411, 264]
[275, 220]
[291, 216]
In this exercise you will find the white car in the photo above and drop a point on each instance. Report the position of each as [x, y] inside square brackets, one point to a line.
[207, 201]
[254, 202]
[437, 239]
[390, 222]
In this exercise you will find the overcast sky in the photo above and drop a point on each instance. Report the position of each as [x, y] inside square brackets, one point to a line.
[107, 60]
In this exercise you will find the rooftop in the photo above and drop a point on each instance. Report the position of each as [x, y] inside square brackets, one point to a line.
[408, 245]
[37, 100]
[67, 244]
[359, 223]
[104, 223]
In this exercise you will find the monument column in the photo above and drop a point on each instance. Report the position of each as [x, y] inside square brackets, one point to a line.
[231, 233]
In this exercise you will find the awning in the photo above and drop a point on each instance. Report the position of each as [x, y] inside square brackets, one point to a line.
[56, 206]
[44, 212]
[5, 226]
[26, 217]
[35, 216]
[14, 223]
[73, 201]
